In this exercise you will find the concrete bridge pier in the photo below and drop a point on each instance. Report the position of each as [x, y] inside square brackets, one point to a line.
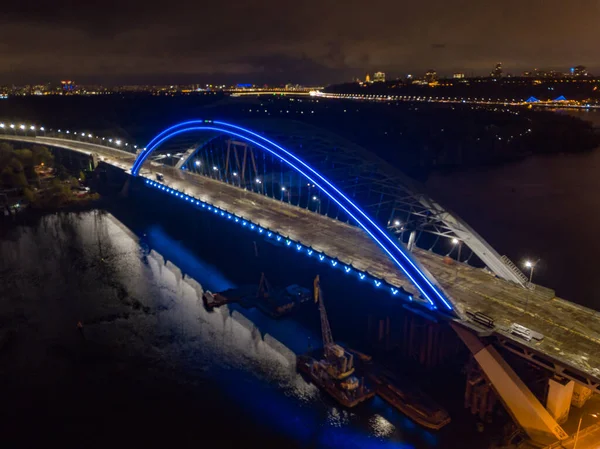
[559, 395]
[518, 400]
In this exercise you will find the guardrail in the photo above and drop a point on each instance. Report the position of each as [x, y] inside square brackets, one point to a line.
[582, 433]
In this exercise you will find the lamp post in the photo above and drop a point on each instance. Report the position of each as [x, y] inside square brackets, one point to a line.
[531, 265]
[455, 242]
[579, 428]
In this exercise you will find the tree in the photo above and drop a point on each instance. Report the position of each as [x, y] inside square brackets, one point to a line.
[6, 154]
[29, 195]
[42, 155]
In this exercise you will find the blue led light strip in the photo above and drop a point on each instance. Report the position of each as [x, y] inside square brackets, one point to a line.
[410, 269]
[270, 234]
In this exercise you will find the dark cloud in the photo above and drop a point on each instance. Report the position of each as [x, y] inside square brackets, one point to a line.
[312, 41]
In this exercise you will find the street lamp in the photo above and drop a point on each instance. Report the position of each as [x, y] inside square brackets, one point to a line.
[531, 265]
[595, 415]
[397, 223]
[458, 242]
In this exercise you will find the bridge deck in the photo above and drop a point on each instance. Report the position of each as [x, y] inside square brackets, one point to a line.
[571, 332]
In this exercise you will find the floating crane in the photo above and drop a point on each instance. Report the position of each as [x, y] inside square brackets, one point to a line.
[340, 362]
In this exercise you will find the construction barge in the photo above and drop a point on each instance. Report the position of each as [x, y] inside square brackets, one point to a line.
[334, 371]
[409, 400]
[274, 302]
[402, 394]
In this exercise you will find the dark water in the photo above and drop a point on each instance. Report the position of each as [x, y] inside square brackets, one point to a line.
[543, 207]
[152, 366]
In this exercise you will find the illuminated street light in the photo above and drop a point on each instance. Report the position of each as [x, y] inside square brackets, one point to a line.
[283, 189]
[22, 126]
[215, 168]
[90, 136]
[110, 140]
[258, 181]
[531, 265]
[12, 126]
[396, 222]
[118, 142]
[197, 163]
[42, 129]
[315, 198]
[455, 241]
[32, 128]
[1, 125]
[234, 173]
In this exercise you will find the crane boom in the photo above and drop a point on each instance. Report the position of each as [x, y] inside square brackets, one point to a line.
[325, 328]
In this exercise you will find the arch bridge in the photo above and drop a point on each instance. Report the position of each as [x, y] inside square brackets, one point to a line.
[330, 199]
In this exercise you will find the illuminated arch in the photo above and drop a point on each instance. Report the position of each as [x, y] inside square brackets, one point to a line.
[401, 257]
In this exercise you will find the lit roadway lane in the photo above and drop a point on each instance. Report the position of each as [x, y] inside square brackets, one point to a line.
[119, 158]
[571, 332]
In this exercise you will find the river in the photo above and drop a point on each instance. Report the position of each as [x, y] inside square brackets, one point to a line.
[152, 367]
[545, 207]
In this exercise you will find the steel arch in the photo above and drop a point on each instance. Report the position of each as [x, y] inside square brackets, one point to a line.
[401, 257]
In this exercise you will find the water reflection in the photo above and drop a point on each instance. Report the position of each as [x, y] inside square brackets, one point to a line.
[140, 300]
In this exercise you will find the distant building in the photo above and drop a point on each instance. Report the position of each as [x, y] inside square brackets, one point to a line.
[430, 76]
[368, 78]
[579, 71]
[379, 77]
[68, 86]
[497, 72]
[458, 76]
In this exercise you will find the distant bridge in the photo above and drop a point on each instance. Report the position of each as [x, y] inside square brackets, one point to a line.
[560, 102]
[328, 199]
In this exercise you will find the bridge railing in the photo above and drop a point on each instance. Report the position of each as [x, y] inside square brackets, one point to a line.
[31, 130]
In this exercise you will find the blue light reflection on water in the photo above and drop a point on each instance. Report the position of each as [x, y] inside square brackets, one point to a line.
[206, 274]
[269, 395]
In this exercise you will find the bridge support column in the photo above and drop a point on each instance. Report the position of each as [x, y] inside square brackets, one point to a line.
[516, 397]
[581, 395]
[429, 342]
[558, 400]
[479, 395]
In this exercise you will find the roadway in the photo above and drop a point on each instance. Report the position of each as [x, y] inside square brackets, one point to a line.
[571, 332]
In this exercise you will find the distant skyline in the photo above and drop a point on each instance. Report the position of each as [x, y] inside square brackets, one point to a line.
[276, 42]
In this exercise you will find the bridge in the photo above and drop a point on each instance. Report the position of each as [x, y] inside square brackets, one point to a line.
[326, 198]
[559, 102]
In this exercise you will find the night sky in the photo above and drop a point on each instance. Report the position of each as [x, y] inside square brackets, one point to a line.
[277, 41]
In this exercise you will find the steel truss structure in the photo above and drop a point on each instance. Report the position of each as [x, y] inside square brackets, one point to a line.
[394, 200]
